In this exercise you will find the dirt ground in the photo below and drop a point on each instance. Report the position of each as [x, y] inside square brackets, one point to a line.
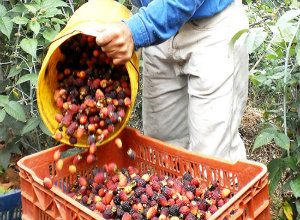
[249, 129]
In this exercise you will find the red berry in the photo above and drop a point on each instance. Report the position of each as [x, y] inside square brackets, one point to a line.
[123, 196]
[90, 158]
[184, 210]
[127, 102]
[56, 155]
[58, 136]
[189, 195]
[99, 178]
[93, 148]
[220, 203]
[212, 209]
[80, 132]
[126, 216]
[47, 183]
[100, 207]
[101, 192]
[58, 117]
[82, 181]
[59, 164]
[152, 211]
[108, 197]
[72, 169]
[83, 119]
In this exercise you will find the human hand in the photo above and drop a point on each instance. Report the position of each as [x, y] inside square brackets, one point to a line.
[116, 41]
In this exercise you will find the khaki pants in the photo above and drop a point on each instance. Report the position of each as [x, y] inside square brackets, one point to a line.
[195, 86]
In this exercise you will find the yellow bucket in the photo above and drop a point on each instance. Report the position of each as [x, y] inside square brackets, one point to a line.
[83, 21]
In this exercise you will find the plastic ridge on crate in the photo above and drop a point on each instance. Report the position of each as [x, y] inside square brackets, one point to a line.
[248, 180]
[10, 205]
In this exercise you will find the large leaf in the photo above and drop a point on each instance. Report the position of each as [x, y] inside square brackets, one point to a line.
[29, 45]
[2, 115]
[31, 7]
[282, 140]
[28, 77]
[14, 70]
[53, 4]
[3, 100]
[275, 168]
[35, 26]
[3, 10]
[288, 211]
[15, 110]
[288, 16]
[30, 125]
[255, 38]
[44, 129]
[295, 186]
[49, 34]
[6, 26]
[20, 20]
[262, 139]
[18, 8]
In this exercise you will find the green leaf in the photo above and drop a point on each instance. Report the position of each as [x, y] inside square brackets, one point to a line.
[6, 26]
[275, 168]
[3, 10]
[33, 8]
[255, 38]
[291, 162]
[15, 110]
[35, 26]
[14, 70]
[30, 125]
[288, 211]
[3, 133]
[2, 115]
[236, 37]
[283, 141]
[30, 76]
[20, 20]
[57, 21]
[19, 8]
[262, 139]
[49, 34]
[53, 4]
[29, 45]
[295, 186]
[5, 155]
[297, 203]
[3, 100]
[44, 129]
[288, 16]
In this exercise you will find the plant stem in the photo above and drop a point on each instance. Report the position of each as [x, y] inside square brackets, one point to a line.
[287, 57]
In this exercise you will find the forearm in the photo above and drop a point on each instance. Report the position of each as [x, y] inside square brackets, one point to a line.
[160, 20]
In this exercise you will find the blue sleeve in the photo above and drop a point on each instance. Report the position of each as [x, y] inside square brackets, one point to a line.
[160, 20]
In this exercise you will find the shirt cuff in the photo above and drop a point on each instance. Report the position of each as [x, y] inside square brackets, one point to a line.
[138, 30]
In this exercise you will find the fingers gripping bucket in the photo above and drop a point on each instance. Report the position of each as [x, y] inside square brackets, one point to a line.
[84, 21]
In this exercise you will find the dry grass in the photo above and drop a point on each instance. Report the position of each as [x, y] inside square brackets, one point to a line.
[249, 129]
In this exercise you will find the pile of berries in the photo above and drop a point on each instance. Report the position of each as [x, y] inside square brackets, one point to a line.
[93, 95]
[128, 194]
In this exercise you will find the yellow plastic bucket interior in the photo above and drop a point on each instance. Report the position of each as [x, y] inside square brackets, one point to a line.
[84, 21]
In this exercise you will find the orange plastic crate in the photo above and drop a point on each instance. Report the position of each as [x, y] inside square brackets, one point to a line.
[248, 180]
